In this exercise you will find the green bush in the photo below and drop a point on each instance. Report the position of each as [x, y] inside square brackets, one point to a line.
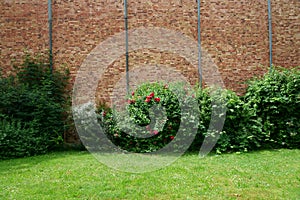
[35, 99]
[266, 117]
[18, 139]
[155, 114]
[276, 100]
[241, 130]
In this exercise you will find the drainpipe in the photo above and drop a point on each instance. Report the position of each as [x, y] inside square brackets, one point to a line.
[126, 43]
[50, 34]
[270, 33]
[199, 46]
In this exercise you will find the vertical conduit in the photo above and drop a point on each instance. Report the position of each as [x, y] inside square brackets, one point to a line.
[199, 46]
[50, 34]
[126, 43]
[270, 34]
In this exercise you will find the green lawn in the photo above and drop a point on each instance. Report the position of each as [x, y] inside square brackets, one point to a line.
[78, 175]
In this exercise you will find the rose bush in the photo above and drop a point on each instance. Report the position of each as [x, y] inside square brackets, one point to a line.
[153, 118]
[267, 116]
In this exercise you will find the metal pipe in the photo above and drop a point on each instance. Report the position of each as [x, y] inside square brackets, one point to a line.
[126, 44]
[270, 34]
[199, 46]
[50, 34]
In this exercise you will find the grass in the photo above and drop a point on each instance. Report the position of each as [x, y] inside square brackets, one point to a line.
[78, 175]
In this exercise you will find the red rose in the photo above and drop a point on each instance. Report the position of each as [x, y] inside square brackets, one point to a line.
[131, 101]
[151, 94]
[132, 93]
[157, 99]
[155, 132]
[172, 137]
[148, 99]
[104, 114]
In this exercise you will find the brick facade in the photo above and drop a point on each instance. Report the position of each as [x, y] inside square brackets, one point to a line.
[234, 33]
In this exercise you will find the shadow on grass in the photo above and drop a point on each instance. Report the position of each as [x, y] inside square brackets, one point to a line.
[28, 162]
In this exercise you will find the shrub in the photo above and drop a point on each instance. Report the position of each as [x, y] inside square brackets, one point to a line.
[241, 130]
[276, 99]
[152, 118]
[18, 139]
[266, 117]
[35, 99]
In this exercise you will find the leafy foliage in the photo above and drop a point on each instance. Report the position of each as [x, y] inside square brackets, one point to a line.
[267, 116]
[20, 139]
[152, 118]
[276, 100]
[33, 103]
[241, 130]
[33, 109]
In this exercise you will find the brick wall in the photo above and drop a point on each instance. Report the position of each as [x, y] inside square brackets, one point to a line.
[23, 27]
[286, 28]
[234, 33]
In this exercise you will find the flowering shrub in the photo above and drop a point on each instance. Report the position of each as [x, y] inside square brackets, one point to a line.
[266, 117]
[152, 119]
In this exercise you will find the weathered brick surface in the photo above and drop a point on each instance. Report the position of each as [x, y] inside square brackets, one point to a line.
[286, 29]
[234, 33]
[23, 27]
